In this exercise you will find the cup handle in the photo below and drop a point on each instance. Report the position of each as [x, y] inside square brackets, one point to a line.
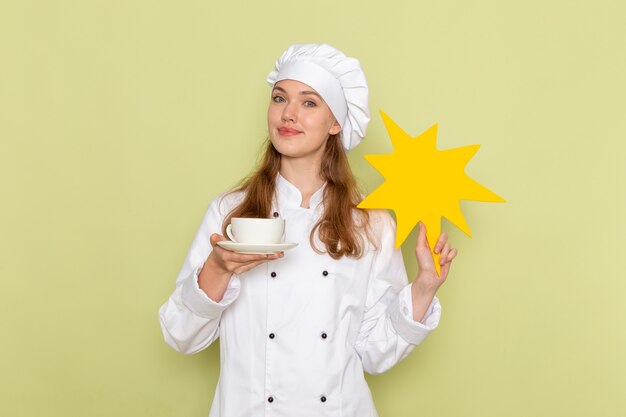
[229, 232]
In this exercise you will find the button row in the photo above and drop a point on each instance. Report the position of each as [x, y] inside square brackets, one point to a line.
[274, 274]
[323, 335]
[271, 399]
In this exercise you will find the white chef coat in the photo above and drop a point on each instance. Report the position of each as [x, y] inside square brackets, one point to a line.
[297, 333]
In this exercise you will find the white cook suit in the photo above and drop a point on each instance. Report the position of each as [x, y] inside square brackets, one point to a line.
[297, 333]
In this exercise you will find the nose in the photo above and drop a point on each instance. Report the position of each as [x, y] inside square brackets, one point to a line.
[289, 113]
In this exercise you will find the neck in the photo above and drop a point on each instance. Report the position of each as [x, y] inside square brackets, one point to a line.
[305, 175]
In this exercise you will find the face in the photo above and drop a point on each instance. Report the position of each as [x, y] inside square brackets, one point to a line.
[299, 120]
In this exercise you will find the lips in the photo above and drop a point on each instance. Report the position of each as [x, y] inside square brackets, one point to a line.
[285, 131]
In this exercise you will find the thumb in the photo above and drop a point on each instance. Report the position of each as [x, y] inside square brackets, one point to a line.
[215, 237]
[422, 239]
[422, 251]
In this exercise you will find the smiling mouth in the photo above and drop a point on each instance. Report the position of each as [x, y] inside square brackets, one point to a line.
[288, 132]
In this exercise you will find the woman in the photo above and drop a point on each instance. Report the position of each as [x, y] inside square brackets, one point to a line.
[298, 329]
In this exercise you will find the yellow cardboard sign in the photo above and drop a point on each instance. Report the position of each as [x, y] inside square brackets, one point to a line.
[424, 184]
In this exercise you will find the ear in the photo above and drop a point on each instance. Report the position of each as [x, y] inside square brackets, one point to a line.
[335, 128]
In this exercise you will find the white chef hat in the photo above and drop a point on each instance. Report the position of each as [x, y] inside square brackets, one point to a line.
[337, 78]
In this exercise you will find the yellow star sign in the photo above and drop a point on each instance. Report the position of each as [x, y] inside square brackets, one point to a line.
[424, 184]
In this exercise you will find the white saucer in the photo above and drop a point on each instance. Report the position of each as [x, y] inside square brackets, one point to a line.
[255, 248]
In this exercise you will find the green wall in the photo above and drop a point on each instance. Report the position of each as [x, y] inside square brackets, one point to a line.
[121, 120]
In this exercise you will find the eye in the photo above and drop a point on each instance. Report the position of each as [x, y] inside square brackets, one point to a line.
[309, 103]
[278, 99]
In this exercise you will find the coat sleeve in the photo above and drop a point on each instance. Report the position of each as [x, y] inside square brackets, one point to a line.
[388, 332]
[189, 318]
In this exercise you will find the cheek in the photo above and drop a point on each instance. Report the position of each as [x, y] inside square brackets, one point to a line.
[273, 114]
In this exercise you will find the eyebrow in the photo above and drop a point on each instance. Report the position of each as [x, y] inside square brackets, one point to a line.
[301, 92]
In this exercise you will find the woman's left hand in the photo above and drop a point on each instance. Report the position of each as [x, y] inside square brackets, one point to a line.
[425, 259]
[428, 281]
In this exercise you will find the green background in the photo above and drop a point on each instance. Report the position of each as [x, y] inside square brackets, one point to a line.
[121, 120]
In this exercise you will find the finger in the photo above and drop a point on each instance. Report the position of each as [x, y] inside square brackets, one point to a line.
[441, 241]
[445, 269]
[249, 266]
[245, 268]
[452, 254]
[245, 258]
[238, 267]
[275, 255]
[422, 239]
[444, 254]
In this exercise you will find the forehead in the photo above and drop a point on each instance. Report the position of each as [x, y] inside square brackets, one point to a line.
[293, 86]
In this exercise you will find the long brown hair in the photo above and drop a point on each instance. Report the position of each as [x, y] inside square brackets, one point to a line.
[342, 226]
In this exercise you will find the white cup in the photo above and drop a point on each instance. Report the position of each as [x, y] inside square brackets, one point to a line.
[256, 231]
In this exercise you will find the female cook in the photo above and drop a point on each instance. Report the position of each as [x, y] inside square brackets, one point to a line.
[298, 328]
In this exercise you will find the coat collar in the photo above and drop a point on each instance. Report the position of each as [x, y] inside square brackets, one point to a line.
[289, 196]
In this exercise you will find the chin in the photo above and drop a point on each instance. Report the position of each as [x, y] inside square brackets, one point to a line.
[286, 148]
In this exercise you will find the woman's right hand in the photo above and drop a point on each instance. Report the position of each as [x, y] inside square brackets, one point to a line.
[225, 261]
[221, 264]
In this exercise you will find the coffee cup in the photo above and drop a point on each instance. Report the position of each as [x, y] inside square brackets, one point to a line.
[256, 231]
